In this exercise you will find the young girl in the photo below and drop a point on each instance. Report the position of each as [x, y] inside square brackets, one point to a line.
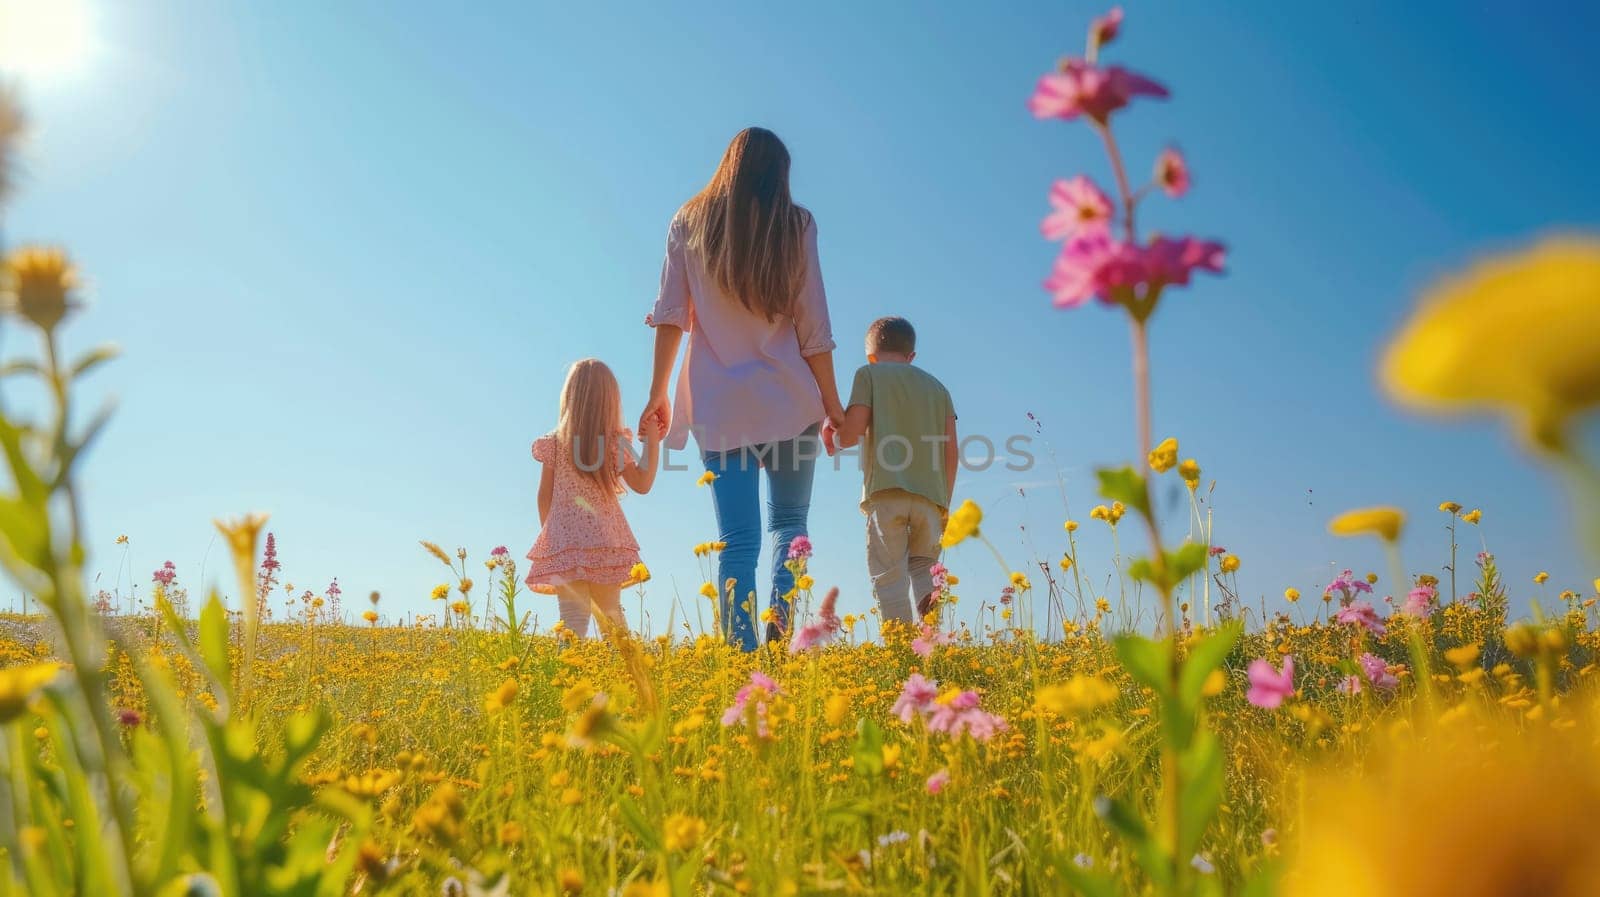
[585, 551]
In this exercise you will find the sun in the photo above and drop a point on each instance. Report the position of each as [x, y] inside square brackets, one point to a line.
[44, 39]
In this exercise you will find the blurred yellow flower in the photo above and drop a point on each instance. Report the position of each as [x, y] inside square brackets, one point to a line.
[18, 685]
[1071, 526]
[683, 832]
[441, 592]
[501, 697]
[37, 283]
[706, 479]
[1543, 785]
[963, 524]
[1541, 577]
[1164, 457]
[1472, 516]
[1078, 695]
[1383, 522]
[1020, 582]
[1230, 563]
[1545, 301]
[1450, 507]
[1291, 595]
[1190, 471]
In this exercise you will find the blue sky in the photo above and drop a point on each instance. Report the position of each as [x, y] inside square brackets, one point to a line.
[349, 250]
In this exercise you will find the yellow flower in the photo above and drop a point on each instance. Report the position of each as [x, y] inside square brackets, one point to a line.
[1215, 682]
[1230, 563]
[511, 833]
[1463, 656]
[1071, 526]
[1383, 522]
[1117, 510]
[637, 575]
[370, 616]
[1076, 696]
[1190, 471]
[1545, 301]
[1066, 562]
[706, 479]
[18, 685]
[709, 591]
[441, 592]
[642, 888]
[571, 797]
[963, 524]
[1472, 516]
[465, 586]
[683, 832]
[37, 283]
[835, 708]
[769, 615]
[1450, 507]
[1547, 780]
[461, 607]
[1102, 606]
[1100, 512]
[804, 582]
[1164, 457]
[1291, 595]
[501, 697]
[1541, 577]
[570, 881]
[1020, 582]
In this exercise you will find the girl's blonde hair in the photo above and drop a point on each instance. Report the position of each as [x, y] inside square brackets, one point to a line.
[590, 426]
[747, 228]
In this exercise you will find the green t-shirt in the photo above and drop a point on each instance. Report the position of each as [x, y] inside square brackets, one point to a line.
[905, 443]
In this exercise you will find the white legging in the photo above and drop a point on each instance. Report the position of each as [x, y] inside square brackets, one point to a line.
[580, 599]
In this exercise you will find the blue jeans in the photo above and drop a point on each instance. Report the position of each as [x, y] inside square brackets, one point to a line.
[736, 494]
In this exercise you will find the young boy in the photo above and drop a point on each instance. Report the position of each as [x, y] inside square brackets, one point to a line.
[908, 466]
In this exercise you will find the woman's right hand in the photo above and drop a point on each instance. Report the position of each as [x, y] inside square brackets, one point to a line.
[658, 409]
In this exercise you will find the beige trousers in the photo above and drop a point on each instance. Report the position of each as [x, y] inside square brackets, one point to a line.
[903, 533]
[580, 599]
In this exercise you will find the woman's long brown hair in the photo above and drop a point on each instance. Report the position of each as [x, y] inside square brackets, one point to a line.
[746, 227]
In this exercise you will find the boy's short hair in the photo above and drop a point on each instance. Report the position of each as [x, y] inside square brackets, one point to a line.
[891, 334]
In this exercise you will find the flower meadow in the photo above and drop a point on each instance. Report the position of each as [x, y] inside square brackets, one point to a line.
[1399, 732]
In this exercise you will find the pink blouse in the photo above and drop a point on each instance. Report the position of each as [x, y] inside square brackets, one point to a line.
[744, 379]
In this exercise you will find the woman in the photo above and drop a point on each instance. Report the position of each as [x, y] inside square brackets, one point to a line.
[741, 278]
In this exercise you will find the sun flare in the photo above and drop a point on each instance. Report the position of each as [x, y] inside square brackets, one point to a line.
[44, 38]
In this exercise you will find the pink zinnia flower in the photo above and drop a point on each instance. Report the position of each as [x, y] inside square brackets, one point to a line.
[1268, 687]
[1077, 206]
[930, 638]
[1172, 172]
[915, 697]
[1360, 613]
[1079, 88]
[938, 781]
[941, 576]
[1377, 672]
[800, 548]
[1103, 30]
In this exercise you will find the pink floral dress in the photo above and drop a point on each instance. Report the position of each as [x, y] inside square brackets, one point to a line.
[586, 538]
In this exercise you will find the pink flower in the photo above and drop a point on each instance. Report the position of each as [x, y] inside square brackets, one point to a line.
[1419, 601]
[1104, 30]
[128, 717]
[941, 576]
[820, 631]
[1078, 206]
[1092, 264]
[930, 638]
[938, 781]
[1079, 88]
[500, 551]
[1377, 671]
[800, 548]
[1216, 550]
[1350, 685]
[1172, 172]
[961, 713]
[1360, 613]
[916, 696]
[1170, 262]
[1268, 687]
[166, 574]
[751, 703]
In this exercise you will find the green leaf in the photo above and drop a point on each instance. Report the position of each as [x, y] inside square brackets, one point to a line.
[1186, 561]
[1145, 660]
[1082, 881]
[1201, 768]
[1264, 881]
[868, 749]
[26, 531]
[1126, 485]
[1206, 656]
[93, 359]
[649, 838]
[1125, 821]
[214, 643]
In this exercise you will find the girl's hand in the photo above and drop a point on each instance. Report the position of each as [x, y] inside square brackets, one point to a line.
[657, 413]
[650, 429]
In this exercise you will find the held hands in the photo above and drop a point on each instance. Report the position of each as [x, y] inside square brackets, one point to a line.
[830, 430]
[657, 414]
[650, 429]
